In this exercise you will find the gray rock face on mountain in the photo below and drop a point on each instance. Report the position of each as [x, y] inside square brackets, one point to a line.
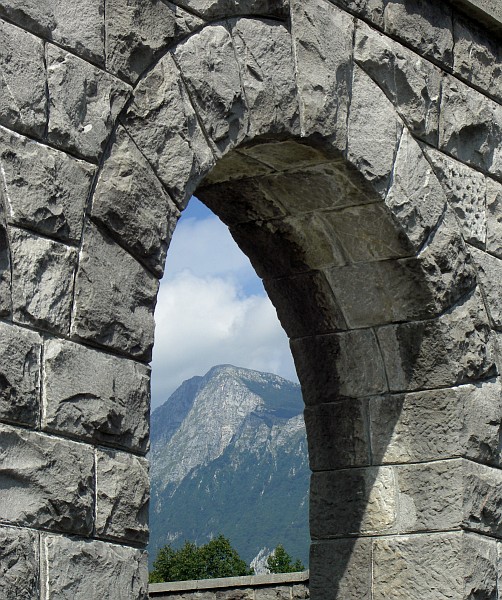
[230, 447]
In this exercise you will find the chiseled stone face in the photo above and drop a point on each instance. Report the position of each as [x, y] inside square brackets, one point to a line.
[19, 564]
[76, 569]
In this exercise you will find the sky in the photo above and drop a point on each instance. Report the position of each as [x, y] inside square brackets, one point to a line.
[212, 309]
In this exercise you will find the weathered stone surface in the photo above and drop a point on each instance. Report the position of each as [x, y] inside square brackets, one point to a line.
[374, 132]
[236, 165]
[425, 426]
[209, 68]
[83, 569]
[305, 304]
[287, 155]
[424, 24]
[430, 496]
[353, 501]
[19, 564]
[131, 203]
[482, 510]
[337, 435]
[454, 349]
[412, 84]
[265, 57]
[95, 396]
[277, 593]
[465, 190]
[211, 9]
[84, 103]
[371, 10]
[136, 32]
[122, 495]
[341, 567]
[406, 289]
[494, 217]
[470, 127]
[477, 56]
[44, 189]
[163, 123]
[434, 567]
[114, 297]
[42, 280]
[19, 375]
[323, 38]
[354, 366]
[23, 101]
[294, 244]
[415, 197]
[490, 277]
[46, 482]
[76, 26]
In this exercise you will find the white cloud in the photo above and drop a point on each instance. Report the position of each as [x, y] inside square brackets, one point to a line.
[206, 320]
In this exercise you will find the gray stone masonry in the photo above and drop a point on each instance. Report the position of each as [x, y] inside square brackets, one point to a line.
[354, 149]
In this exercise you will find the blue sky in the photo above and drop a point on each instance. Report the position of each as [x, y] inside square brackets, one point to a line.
[212, 309]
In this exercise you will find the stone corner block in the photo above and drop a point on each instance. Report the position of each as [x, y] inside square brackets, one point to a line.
[122, 496]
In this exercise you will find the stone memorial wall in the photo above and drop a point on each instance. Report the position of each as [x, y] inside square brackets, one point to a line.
[354, 148]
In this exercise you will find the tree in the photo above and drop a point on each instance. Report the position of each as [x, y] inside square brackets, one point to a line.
[280, 562]
[217, 558]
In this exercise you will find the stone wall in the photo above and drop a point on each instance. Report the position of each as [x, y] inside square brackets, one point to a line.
[285, 586]
[354, 149]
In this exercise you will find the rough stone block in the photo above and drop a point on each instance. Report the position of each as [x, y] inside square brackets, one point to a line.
[406, 289]
[465, 190]
[353, 366]
[122, 495]
[470, 127]
[19, 375]
[236, 165]
[341, 569]
[210, 70]
[277, 593]
[456, 348]
[305, 304]
[323, 38]
[23, 101]
[494, 217]
[265, 58]
[114, 298]
[372, 142]
[131, 203]
[42, 280]
[19, 564]
[84, 103]
[292, 245]
[477, 56]
[83, 569]
[164, 125]
[412, 84]
[47, 482]
[490, 277]
[45, 190]
[438, 424]
[439, 566]
[424, 24]
[415, 197]
[95, 396]
[78, 26]
[371, 10]
[136, 32]
[337, 435]
[353, 501]
[482, 505]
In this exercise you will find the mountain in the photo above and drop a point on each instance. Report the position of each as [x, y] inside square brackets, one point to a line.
[229, 455]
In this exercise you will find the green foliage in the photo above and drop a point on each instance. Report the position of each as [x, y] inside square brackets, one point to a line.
[280, 562]
[215, 559]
